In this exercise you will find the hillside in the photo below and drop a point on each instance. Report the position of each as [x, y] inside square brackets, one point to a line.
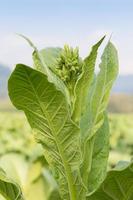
[124, 84]
[121, 103]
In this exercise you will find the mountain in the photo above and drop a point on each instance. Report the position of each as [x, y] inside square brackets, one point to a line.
[122, 93]
[124, 84]
[4, 75]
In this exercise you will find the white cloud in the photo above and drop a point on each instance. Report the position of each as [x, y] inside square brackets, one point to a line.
[15, 50]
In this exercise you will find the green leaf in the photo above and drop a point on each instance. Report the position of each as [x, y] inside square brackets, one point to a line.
[15, 166]
[118, 185]
[101, 90]
[8, 189]
[93, 117]
[99, 157]
[48, 114]
[50, 56]
[84, 82]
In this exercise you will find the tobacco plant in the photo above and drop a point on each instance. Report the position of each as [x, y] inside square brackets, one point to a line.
[65, 103]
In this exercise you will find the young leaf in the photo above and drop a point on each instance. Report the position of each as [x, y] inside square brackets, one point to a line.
[84, 82]
[48, 113]
[50, 56]
[101, 90]
[43, 64]
[118, 185]
[9, 189]
[93, 117]
[47, 59]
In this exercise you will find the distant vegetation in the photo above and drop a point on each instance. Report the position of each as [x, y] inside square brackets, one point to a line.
[124, 84]
[121, 140]
[121, 103]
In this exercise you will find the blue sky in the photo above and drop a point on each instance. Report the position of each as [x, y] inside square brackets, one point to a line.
[55, 22]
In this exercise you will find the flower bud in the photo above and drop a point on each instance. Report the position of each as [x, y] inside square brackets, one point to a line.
[69, 65]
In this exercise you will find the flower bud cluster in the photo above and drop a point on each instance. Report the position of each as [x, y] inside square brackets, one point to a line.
[69, 65]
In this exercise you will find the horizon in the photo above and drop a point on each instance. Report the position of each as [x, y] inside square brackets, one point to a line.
[54, 23]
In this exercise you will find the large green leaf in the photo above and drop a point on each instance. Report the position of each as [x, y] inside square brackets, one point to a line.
[118, 185]
[84, 82]
[8, 189]
[93, 117]
[48, 114]
[99, 157]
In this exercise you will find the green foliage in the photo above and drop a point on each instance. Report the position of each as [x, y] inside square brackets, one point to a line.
[15, 134]
[65, 104]
[117, 185]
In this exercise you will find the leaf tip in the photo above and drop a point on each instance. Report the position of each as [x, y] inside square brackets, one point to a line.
[28, 40]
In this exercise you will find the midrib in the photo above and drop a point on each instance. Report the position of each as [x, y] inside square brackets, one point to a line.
[62, 155]
[66, 166]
